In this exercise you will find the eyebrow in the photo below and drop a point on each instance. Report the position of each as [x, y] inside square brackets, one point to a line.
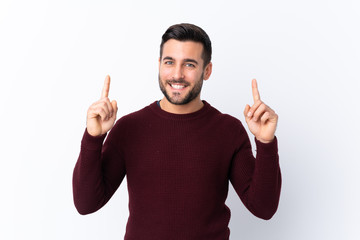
[185, 60]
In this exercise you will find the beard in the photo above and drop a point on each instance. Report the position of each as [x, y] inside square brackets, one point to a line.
[176, 96]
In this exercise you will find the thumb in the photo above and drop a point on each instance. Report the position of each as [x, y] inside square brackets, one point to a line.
[114, 105]
[246, 111]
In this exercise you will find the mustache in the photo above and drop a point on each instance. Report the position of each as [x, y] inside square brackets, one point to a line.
[178, 81]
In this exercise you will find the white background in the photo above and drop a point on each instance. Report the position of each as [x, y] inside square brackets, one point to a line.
[54, 56]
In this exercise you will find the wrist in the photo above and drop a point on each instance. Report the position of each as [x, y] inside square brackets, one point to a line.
[265, 140]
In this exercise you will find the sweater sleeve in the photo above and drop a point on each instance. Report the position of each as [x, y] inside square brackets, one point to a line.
[98, 172]
[257, 181]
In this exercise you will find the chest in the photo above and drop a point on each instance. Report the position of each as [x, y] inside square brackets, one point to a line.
[195, 157]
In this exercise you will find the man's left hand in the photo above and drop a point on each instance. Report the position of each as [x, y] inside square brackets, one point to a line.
[260, 118]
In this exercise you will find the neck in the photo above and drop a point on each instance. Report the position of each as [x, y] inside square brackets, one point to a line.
[190, 107]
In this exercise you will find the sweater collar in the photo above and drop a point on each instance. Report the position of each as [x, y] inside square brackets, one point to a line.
[156, 109]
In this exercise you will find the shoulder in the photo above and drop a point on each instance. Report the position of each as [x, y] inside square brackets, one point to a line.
[139, 114]
[131, 120]
[226, 120]
[228, 128]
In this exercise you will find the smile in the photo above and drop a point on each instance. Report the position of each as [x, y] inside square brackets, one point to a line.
[177, 86]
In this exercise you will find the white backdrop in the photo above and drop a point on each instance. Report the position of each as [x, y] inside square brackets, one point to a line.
[54, 56]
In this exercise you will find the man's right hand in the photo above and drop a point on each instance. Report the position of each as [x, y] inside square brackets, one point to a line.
[101, 115]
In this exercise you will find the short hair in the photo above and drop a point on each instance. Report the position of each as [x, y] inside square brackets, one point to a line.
[188, 32]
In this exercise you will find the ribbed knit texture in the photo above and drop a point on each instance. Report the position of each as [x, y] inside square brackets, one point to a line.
[178, 167]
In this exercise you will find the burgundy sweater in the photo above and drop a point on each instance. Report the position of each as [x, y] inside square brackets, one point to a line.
[178, 168]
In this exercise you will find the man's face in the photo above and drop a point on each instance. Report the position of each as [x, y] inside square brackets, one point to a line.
[181, 71]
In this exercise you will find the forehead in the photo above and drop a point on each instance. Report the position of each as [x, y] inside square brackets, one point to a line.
[182, 49]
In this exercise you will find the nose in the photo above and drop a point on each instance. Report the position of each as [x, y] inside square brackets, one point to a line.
[178, 72]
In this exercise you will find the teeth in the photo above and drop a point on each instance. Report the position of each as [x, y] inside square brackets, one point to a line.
[177, 86]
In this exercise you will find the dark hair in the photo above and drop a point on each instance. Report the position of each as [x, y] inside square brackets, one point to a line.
[189, 32]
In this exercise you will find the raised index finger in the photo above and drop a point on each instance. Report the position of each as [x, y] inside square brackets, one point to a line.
[255, 91]
[105, 90]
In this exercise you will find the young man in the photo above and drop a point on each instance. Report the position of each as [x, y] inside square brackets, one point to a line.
[180, 153]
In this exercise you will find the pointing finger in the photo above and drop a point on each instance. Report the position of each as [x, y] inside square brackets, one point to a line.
[105, 91]
[255, 90]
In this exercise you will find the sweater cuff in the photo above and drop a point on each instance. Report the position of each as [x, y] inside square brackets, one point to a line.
[268, 149]
[91, 142]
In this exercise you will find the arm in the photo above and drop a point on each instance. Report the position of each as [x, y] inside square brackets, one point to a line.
[258, 181]
[98, 172]
[99, 169]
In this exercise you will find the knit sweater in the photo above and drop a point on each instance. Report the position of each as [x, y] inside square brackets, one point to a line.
[178, 167]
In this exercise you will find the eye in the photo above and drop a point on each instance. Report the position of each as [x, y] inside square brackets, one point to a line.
[190, 65]
[169, 62]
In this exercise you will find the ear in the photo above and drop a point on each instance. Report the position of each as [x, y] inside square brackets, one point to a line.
[159, 62]
[208, 71]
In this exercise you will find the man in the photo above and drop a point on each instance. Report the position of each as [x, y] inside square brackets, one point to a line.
[178, 154]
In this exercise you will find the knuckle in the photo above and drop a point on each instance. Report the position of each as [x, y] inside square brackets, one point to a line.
[104, 105]
[101, 110]
[91, 109]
